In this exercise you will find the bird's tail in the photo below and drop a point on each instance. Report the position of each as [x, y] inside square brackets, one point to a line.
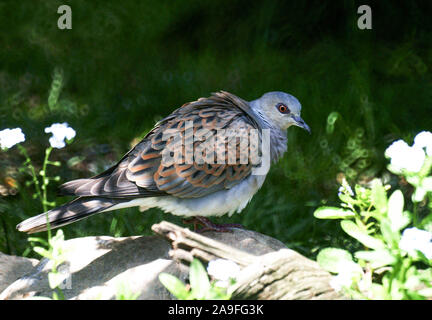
[75, 210]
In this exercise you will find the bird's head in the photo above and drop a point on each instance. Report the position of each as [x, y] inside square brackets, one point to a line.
[281, 109]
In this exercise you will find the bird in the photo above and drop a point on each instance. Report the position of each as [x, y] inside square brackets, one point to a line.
[159, 171]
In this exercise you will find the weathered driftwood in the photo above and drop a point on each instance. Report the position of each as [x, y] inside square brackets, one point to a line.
[284, 274]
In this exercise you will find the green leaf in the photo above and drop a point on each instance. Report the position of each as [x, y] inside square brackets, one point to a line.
[59, 236]
[125, 293]
[412, 279]
[398, 218]
[362, 193]
[75, 161]
[426, 292]
[347, 199]
[379, 291]
[418, 194]
[331, 258]
[40, 240]
[379, 197]
[395, 207]
[391, 236]
[54, 163]
[174, 285]
[377, 258]
[427, 184]
[198, 279]
[43, 252]
[413, 180]
[426, 223]
[361, 235]
[333, 213]
[396, 291]
[218, 293]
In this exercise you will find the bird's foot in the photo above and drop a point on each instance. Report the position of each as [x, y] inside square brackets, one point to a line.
[207, 225]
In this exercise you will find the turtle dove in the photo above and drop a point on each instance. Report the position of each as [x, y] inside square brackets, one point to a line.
[159, 173]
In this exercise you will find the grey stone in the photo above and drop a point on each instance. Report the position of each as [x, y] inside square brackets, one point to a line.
[12, 268]
[98, 267]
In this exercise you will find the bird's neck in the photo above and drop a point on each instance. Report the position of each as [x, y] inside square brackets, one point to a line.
[278, 137]
[278, 143]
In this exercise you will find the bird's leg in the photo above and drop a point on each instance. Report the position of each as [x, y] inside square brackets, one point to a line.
[193, 221]
[207, 225]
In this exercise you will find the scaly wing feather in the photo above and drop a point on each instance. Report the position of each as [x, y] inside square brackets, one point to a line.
[144, 171]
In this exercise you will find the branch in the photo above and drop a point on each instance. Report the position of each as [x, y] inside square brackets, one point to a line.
[283, 274]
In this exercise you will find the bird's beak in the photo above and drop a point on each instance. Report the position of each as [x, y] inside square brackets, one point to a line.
[299, 122]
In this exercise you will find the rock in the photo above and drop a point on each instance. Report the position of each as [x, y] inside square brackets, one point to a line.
[101, 267]
[12, 268]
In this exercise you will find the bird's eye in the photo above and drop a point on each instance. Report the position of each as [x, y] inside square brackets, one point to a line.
[282, 108]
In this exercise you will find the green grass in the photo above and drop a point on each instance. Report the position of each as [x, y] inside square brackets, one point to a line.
[126, 64]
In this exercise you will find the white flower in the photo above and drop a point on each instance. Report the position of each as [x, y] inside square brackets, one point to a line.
[345, 188]
[365, 284]
[340, 281]
[424, 140]
[414, 239]
[60, 131]
[348, 271]
[10, 137]
[405, 158]
[223, 270]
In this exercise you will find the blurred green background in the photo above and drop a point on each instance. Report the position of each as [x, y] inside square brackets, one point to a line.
[125, 64]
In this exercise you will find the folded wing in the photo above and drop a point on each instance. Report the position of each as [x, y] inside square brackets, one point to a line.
[200, 148]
